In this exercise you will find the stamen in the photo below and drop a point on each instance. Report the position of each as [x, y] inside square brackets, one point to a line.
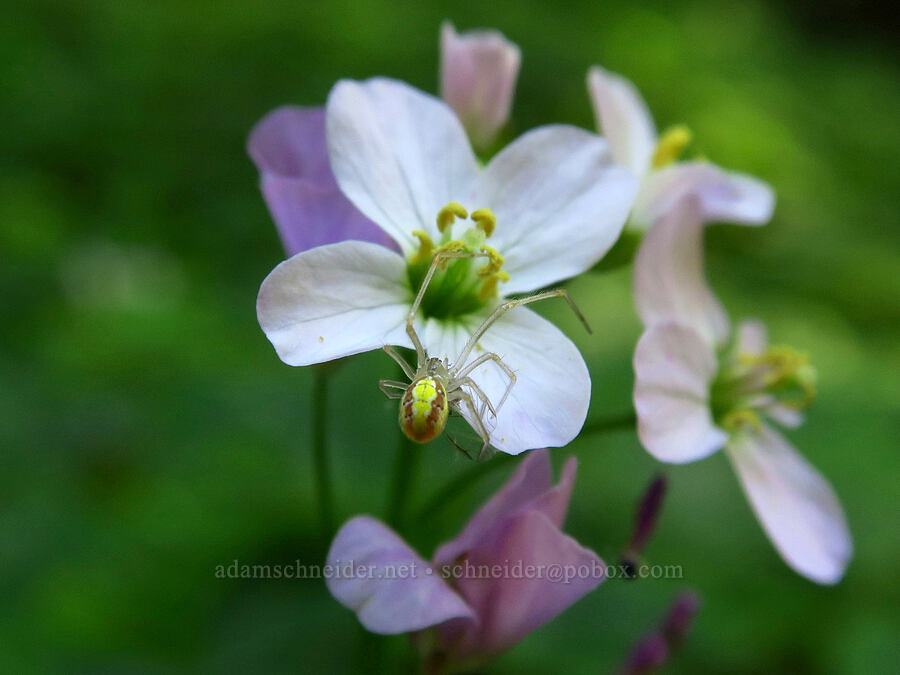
[738, 419]
[485, 220]
[460, 284]
[489, 287]
[670, 146]
[455, 246]
[448, 215]
[786, 370]
[494, 264]
[426, 247]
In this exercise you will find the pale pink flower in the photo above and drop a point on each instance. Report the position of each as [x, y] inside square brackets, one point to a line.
[700, 387]
[400, 156]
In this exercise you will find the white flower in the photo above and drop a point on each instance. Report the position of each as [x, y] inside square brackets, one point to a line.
[401, 157]
[698, 389]
[623, 117]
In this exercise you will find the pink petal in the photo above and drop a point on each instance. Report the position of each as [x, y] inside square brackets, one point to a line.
[528, 488]
[541, 572]
[673, 368]
[669, 279]
[723, 196]
[288, 147]
[368, 563]
[623, 118]
[795, 505]
[752, 337]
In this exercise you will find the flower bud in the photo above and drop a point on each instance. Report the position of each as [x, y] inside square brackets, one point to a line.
[654, 649]
[478, 78]
[647, 656]
[680, 618]
[645, 520]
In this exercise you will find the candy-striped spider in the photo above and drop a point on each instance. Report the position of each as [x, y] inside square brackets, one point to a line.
[438, 386]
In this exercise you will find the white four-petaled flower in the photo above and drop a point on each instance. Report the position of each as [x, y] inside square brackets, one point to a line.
[401, 156]
[698, 389]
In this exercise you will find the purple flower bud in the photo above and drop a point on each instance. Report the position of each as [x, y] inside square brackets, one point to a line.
[478, 78]
[646, 517]
[654, 649]
[647, 656]
[680, 618]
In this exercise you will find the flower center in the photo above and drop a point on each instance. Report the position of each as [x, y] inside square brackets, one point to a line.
[461, 285]
[750, 384]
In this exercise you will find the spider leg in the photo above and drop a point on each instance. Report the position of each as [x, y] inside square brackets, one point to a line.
[390, 388]
[458, 447]
[439, 258]
[476, 419]
[484, 358]
[407, 369]
[504, 307]
[479, 393]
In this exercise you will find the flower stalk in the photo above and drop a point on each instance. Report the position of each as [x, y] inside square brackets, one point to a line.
[321, 463]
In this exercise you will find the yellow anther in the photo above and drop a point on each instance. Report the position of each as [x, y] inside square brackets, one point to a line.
[489, 287]
[738, 419]
[494, 264]
[786, 369]
[485, 220]
[671, 144]
[426, 247]
[448, 215]
[455, 246]
[783, 372]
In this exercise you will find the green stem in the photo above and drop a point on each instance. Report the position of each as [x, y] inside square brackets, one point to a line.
[455, 487]
[321, 467]
[406, 467]
[613, 423]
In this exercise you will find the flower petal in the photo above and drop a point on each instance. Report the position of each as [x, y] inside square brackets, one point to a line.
[723, 196]
[560, 203]
[478, 78]
[290, 142]
[752, 337]
[334, 301]
[548, 403]
[391, 589]
[794, 503]
[309, 210]
[623, 117]
[530, 550]
[399, 154]
[785, 415]
[528, 488]
[669, 279]
[673, 368]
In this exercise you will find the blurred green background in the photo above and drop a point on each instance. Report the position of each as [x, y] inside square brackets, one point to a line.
[149, 433]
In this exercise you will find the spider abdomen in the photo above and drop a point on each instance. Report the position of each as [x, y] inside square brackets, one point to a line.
[424, 409]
